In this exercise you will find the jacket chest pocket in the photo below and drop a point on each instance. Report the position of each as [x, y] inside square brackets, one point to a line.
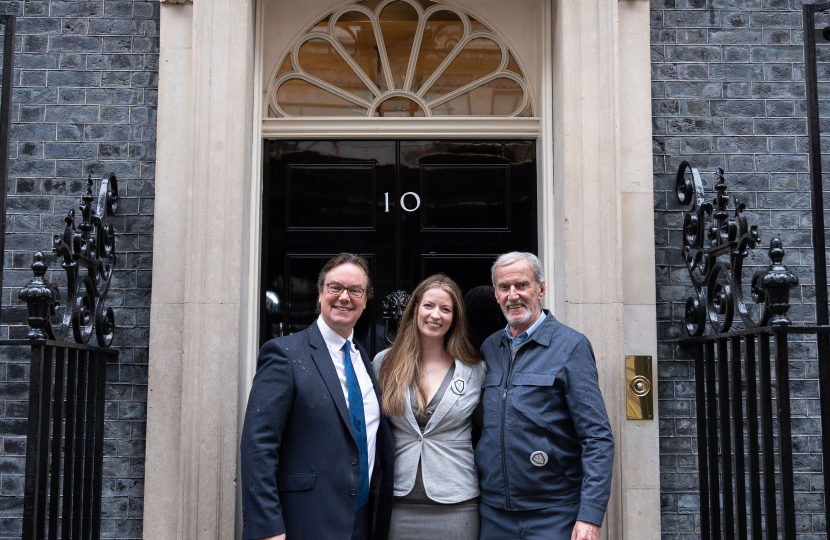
[491, 397]
[533, 393]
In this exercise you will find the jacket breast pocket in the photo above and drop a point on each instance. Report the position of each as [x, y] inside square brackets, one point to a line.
[296, 481]
[491, 397]
[533, 393]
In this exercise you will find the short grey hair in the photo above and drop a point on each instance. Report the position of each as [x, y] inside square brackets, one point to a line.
[515, 256]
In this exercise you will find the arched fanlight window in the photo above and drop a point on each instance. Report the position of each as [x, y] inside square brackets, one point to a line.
[399, 58]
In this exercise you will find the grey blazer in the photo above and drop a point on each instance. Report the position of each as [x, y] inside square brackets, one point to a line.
[445, 449]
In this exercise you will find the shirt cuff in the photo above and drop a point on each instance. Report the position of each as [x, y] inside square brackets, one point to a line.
[591, 514]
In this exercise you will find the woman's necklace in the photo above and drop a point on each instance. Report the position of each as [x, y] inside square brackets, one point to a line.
[440, 360]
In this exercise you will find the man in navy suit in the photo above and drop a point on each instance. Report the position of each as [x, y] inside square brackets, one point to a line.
[317, 454]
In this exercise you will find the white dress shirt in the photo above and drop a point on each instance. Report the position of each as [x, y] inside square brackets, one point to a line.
[371, 408]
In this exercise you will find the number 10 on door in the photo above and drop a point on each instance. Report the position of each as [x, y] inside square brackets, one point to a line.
[403, 201]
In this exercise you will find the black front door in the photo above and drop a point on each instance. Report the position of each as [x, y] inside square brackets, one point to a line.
[412, 208]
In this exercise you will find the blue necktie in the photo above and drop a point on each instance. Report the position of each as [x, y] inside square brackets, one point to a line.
[358, 419]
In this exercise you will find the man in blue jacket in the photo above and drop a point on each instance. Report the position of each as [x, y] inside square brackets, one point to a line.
[317, 454]
[546, 453]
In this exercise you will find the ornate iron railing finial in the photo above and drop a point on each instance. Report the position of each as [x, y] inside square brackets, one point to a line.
[714, 249]
[91, 246]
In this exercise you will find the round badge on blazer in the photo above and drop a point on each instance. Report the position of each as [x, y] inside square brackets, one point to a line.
[458, 386]
[539, 458]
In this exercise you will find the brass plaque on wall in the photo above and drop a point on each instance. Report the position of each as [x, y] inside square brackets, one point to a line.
[639, 388]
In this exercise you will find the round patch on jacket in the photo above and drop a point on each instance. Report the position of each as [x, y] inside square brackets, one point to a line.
[458, 386]
[539, 458]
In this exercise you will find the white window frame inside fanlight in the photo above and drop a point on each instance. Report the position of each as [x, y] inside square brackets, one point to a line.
[298, 73]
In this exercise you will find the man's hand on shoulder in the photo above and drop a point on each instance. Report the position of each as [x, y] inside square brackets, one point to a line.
[282, 537]
[585, 531]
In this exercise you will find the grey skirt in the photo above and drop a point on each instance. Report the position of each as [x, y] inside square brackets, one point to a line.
[417, 517]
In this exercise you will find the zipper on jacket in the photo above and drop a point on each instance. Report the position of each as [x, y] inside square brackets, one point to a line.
[510, 366]
[503, 449]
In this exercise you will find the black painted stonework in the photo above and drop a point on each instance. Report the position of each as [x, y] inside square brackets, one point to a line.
[728, 91]
[86, 77]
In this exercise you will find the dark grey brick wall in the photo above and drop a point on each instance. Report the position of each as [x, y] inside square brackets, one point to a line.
[728, 91]
[84, 102]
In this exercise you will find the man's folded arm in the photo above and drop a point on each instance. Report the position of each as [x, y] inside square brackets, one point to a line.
[269, 405]
[593, 431]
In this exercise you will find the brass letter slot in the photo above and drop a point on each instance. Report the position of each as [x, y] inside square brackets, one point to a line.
[638, 388]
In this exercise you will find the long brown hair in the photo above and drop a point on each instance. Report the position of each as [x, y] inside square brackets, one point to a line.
[402, 365]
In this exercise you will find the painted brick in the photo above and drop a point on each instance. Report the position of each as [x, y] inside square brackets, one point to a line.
[736, 53]
[130, 62]
[737, 107]
[736, 72]
[71, 96]
[734, 19]
[38, 26]
[35, 95]
[115, 96]
[782, 126]
[75, 26]
[36, 61]
[75, 44]
[778, 90]
[116, 27]
[764, 53]
[75, 9]
[69, 113]
[692, 54]
[694, 107]
[74, 78]
[777, 37]
[736, 90]
[694, 89]
[735, 35]
[740, 145]
[790, 19]
[693, 71]
[756, 130]
[33, 44]
[118, 9]
[80, 68]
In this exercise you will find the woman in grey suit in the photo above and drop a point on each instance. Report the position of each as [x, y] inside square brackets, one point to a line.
[430, 382]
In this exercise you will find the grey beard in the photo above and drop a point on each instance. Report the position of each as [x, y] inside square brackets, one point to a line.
[521, 320]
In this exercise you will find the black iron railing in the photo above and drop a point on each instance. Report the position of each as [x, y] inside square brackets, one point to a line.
[742, 370]
[67, 382]
[65, 439]
[9, 25]
[817, 195]
[739, 389]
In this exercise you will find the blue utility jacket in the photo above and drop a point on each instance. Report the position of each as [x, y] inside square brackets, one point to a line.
[546, 440]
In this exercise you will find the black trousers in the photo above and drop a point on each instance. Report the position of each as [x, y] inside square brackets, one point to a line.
[361, 524]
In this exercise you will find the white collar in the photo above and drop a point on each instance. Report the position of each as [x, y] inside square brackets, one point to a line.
[333, 340]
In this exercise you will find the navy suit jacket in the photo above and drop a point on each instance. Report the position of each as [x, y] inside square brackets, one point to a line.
[298, 453]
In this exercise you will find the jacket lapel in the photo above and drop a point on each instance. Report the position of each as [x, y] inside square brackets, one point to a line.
[322, 358]
[458, 385]
[407, 411]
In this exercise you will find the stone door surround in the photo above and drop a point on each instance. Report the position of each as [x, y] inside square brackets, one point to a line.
[204, 264]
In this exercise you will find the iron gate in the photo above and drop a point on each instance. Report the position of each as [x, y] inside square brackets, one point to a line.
[67, 380]
[740, 372]
[741, 369]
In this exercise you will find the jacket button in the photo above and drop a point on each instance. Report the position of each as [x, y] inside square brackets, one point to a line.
[420, 438]
[354, 462]
[353, 492]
